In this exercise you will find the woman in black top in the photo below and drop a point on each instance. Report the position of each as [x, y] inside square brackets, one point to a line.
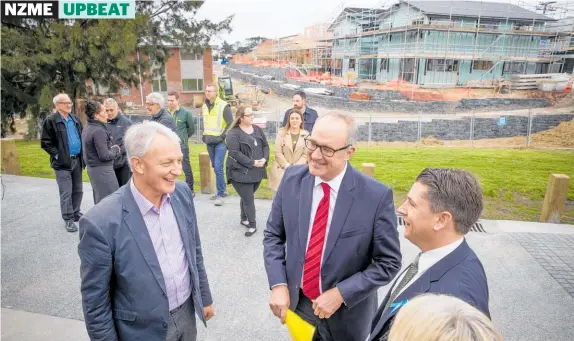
[99, 153]
[246, 162]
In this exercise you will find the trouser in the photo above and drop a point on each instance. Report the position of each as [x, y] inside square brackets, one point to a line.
[70, 186]
[247, 193]
[103, 180]
[181, 324]
[123, 174]
[217, 155]
[187, 168]
[332, 329]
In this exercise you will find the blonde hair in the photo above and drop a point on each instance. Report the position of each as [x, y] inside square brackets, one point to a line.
[432, 317]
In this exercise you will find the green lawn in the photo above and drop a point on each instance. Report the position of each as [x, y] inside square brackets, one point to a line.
[514, 181]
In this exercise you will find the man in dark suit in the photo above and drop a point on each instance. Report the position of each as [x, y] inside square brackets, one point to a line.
[300, 105]
[440, 209]
[331, 238]
[142, 268]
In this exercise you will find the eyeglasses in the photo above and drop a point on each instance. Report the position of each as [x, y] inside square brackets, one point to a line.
[150, 104]
[109, 110]
[326, 151]
[67, 103]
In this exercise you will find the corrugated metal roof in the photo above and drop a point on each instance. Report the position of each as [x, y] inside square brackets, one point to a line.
[477, 8]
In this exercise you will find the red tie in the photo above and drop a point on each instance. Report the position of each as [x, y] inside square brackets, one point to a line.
[312, 267]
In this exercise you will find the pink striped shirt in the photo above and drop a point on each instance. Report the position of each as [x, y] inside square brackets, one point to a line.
[166, 239]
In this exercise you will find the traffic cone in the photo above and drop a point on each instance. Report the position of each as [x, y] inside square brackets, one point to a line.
[299, 329]
[568, 86]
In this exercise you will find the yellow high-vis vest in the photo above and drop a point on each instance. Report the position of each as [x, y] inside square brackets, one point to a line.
[213, 122]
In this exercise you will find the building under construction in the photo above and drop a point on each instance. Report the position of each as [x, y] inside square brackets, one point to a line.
[435, 43]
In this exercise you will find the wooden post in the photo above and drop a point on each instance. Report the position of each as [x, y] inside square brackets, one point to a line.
[10, 160]
[555, 197]
[369, 169]
[206, 174]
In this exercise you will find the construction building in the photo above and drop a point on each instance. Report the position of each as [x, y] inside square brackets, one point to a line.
[563, 42]
[312, 48]
[444, 43]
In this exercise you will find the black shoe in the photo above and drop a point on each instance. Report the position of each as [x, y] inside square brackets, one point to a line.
[250, 231]
[70, 226]
[78, 216]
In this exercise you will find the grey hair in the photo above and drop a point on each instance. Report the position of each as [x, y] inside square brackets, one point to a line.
[139, 136]
[351, 125]
[156, 98]
[56, 98]
[455, 191]
[110, 101]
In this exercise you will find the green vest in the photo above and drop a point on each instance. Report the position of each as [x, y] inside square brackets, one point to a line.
[213, 122]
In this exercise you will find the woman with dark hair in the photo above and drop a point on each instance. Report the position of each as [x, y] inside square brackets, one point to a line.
[99, 152]
[290, 148]
[246, 162]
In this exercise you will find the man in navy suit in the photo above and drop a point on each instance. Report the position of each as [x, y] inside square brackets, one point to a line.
[440, 209]
[142, 268]
[331, 239]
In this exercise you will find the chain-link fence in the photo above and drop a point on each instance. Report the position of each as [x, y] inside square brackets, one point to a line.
[505, 129]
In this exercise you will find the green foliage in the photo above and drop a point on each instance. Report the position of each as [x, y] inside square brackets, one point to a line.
[41, 57]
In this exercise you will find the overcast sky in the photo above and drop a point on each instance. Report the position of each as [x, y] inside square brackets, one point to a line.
[278, 18]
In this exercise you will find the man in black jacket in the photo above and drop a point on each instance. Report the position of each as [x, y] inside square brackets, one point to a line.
[117, 126]
[300, 105]
[155, 103]
[60, 138]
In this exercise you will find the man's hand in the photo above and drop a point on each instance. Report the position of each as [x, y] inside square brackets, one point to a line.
[279, 301]
[208, 312]
[328, 303]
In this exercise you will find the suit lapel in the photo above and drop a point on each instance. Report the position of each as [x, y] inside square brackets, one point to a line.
[135, 223]
[182, 224]
[345, 199]
[305, 204]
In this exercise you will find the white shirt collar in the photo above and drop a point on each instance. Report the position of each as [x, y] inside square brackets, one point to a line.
[432, 257]
[334, 183]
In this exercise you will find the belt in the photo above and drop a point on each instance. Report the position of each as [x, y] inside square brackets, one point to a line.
[74, 156]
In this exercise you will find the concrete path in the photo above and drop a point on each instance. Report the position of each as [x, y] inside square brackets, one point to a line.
[530, 268]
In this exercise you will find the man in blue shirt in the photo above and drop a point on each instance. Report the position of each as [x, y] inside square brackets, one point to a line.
[300, 105]
[60, 138]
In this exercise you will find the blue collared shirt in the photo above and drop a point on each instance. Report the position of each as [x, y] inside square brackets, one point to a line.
[74, 141]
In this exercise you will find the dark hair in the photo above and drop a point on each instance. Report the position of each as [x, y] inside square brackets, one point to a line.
[302, 94]
[455, 191]
[92, 107]
[173, 93]
[289, 113]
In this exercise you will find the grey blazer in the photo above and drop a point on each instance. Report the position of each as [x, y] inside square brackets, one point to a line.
[362, 252]
[123, 290]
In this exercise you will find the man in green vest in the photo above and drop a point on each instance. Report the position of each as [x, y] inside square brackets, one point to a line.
[185, 129]
[217, 118]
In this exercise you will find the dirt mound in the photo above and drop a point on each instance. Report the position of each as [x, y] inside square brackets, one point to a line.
[560, 136]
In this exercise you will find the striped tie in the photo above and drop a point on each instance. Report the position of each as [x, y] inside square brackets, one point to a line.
[312, 267]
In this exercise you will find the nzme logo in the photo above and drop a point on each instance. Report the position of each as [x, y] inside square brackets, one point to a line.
[70, 9]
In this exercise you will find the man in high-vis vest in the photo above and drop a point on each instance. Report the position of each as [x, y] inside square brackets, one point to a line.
[217, 118]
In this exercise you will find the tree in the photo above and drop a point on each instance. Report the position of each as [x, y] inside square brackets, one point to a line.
[251, 44]
[226, 47]
[42, 57]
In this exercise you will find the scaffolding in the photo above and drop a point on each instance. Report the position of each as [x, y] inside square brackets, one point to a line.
[429, 43]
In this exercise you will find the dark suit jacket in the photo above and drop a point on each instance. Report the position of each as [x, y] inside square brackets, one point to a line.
[362, 251]
[459, 274]
[123, 290]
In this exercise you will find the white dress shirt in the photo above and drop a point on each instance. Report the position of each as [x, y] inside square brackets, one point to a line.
[335, 185]
[429, 259]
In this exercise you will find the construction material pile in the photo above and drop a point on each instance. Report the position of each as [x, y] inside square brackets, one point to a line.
[560, 136]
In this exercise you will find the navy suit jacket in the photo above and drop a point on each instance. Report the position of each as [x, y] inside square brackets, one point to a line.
[362, 250]
[459, 274]
[123, 290]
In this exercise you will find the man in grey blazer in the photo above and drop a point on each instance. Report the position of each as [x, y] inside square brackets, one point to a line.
[142, 268]
[331, 239]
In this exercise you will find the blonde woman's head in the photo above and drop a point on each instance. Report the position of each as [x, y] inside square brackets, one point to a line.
[432, 317]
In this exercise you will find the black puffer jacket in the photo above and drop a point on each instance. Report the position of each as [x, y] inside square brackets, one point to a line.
[244, 149]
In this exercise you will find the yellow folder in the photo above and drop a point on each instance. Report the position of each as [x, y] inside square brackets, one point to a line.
[299, 329]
